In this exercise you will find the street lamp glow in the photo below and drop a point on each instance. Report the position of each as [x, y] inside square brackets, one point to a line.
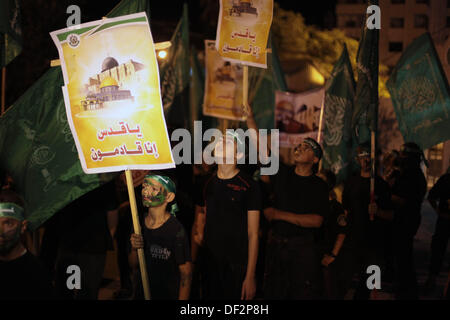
[162, 54]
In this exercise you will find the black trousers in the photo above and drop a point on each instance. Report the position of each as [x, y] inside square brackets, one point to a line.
[439, 244]
[406, 279]
[221, 279]
[91, 266]
[338, 275]
[293, 269]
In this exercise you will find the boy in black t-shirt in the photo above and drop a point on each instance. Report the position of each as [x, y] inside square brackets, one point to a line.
[165, 242]
[299, 207]
[229, 228]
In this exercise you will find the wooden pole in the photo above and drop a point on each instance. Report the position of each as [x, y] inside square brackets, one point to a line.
[372, 171]
[319, 134]
[137, 230]
[245, 91]
[3, 89]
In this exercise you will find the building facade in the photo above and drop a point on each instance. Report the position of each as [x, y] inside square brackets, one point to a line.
[402, 21]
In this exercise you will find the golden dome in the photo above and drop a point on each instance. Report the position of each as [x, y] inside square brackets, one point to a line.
[108, 82]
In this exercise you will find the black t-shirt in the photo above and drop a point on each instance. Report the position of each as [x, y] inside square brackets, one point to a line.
[356, 199]
[83, 225]
[411, 186]
[24, 279]
[335, 223]
[227, 203]
[165, 248]
[299, 195]
[441, 193]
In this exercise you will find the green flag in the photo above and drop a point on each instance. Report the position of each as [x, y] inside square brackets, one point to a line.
[365, 111]
[420, 94]
[10, 32]
[338, 108]
[174, 76]
[196, 92]
[37, 148]
[262, 86]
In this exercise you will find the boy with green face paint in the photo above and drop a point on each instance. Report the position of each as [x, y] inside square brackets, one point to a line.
[21, 275]
[164, 241]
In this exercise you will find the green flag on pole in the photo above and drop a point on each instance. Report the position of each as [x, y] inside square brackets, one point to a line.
[174, 76]
[338, 108]
[37, 148]
[420, 94]
[365, 110]
[196, 93]
[10, 31]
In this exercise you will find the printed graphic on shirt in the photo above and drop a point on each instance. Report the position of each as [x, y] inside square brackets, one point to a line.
[158, 252]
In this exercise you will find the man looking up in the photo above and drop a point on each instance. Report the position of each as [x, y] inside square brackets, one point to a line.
[230, 222]
[293, 269]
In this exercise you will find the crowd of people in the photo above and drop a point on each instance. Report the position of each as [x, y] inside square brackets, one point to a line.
[225, 232]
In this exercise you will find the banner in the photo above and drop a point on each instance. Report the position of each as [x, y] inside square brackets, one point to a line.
[112, 95]
[223, 86]
[37, 148]
[420, 94]
[10, 31]
[174, 73]
[297, 116]
[337, 116]
[243, 31]
[365, 109]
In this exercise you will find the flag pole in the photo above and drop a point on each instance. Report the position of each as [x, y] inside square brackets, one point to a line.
[3, 89]
[319, 135]
[137, 230]
[372, 171]
[245, 90]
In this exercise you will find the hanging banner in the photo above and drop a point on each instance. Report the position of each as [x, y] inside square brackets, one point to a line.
[223, 86]
[112, 95]
[297, 116]
[243, 31]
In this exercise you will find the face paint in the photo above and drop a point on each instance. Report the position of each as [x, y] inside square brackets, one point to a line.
[153, 199]
[9, 240]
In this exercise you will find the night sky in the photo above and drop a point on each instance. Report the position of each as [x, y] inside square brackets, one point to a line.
[40, 17]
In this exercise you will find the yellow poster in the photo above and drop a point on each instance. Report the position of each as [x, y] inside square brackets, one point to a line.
[223, 86]
[243, 31]
[112, 95]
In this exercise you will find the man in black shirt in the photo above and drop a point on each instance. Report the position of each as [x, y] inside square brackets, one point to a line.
[229, 229]
[300, 203]
[337, 256]
[439, 198]
[21, 274]
[364, 238]
[408, 192]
